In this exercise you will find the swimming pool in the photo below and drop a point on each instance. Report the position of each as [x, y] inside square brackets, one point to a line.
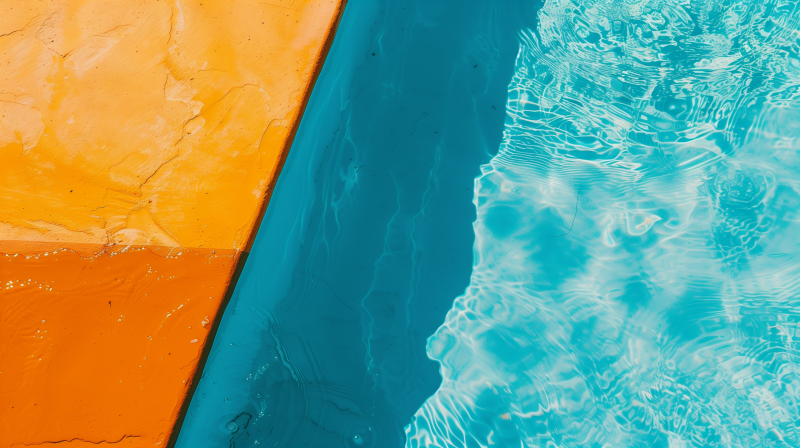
[636, 276]
[613, 184]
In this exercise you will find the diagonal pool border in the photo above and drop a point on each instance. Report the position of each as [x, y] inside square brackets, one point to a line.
[241, 256]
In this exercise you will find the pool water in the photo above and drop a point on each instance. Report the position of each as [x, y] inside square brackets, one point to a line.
[513, 223]
[636, 280]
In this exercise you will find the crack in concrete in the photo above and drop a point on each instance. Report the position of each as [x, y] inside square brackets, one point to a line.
[17, 31]
[78, 439]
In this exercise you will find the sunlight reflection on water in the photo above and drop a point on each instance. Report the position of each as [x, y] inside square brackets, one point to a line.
[635, 281]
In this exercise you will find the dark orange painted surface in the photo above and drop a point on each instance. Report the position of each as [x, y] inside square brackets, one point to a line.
[113, 337]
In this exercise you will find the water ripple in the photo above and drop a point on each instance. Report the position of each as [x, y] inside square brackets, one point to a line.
[636, 272]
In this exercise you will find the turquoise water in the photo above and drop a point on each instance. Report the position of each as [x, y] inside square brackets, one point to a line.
[528, 224]
[636, 279]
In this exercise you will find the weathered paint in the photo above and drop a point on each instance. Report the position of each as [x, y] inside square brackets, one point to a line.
[154, 123]
[138, 144]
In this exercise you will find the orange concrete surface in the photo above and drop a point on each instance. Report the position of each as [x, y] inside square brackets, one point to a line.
[131, 130]
[99, 348]
[148, 121]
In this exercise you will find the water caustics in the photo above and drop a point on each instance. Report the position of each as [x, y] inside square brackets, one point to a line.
[636, 279]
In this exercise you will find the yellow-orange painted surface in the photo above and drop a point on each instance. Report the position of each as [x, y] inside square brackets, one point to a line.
[99, 348]
[138, 143]
[148, 121]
